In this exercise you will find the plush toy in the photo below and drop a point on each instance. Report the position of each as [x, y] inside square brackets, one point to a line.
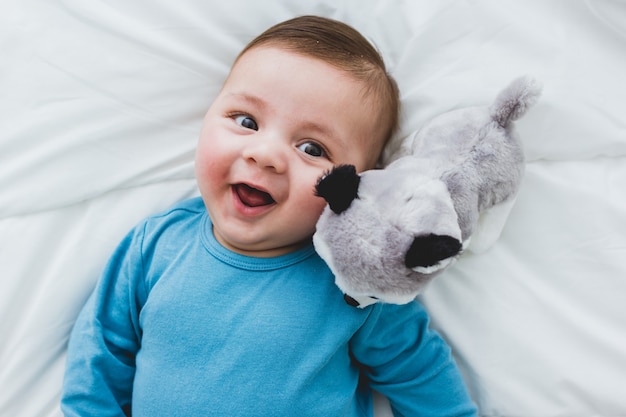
[387, 232]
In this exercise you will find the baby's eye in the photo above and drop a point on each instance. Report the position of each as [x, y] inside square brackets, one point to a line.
[246, 121]
[313, 149]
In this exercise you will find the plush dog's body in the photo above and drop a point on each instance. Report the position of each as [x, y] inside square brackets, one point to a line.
[410, 220]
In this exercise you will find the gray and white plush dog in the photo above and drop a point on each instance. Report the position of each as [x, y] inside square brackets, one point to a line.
[386, 233]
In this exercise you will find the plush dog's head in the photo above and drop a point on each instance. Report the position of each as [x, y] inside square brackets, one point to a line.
[385, 233]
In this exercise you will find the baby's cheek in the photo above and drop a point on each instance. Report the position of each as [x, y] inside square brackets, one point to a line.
[316, 205]
[201, 157]
[202, 168]
[211, 157]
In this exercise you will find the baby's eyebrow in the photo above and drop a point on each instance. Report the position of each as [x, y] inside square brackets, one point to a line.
[321, 129]
[252, 99]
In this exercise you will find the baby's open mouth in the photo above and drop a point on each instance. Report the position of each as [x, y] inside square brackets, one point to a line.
[252, 197]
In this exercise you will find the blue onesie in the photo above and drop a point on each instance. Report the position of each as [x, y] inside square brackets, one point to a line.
[180, 326]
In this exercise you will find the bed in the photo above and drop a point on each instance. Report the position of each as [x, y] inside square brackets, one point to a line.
[100, 108]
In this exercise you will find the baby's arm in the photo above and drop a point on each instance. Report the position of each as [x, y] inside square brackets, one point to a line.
[101, 355]
[411, 364]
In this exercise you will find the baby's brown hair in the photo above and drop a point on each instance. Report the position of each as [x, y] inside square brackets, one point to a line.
[344, 47]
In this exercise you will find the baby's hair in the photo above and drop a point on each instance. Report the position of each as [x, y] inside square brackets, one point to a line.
[344, 47]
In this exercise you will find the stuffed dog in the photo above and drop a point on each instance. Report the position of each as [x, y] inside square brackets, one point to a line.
[387, 232]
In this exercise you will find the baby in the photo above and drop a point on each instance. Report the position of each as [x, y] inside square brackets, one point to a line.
[220, 306]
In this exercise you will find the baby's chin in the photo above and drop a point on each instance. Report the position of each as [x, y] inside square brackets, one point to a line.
[263, 249]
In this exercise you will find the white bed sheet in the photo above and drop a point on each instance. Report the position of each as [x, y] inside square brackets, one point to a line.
[100, 107]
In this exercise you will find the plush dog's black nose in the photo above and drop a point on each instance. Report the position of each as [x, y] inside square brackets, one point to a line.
[429, 249]
[350, 301]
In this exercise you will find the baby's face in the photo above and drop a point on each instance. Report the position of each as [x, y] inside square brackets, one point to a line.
[280, 121]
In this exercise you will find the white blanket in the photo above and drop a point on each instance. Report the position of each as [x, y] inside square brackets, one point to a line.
[100, 108]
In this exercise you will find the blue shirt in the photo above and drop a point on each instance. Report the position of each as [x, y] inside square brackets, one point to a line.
[180, 326]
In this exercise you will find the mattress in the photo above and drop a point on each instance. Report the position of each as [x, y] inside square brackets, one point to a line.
[100, 109]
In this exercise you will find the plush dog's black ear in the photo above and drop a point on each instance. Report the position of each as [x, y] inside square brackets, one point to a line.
[339, 187]
[429, 249]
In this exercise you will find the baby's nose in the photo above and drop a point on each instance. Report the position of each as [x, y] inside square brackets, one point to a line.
[268, 154]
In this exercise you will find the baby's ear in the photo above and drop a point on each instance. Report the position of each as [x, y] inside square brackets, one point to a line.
[339, 187]
[426, 251]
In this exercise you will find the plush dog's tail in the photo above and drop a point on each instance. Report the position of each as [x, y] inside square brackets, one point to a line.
[514, 100]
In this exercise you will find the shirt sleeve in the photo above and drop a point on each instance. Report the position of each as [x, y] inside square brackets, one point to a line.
[105, 339]
[410, 363]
